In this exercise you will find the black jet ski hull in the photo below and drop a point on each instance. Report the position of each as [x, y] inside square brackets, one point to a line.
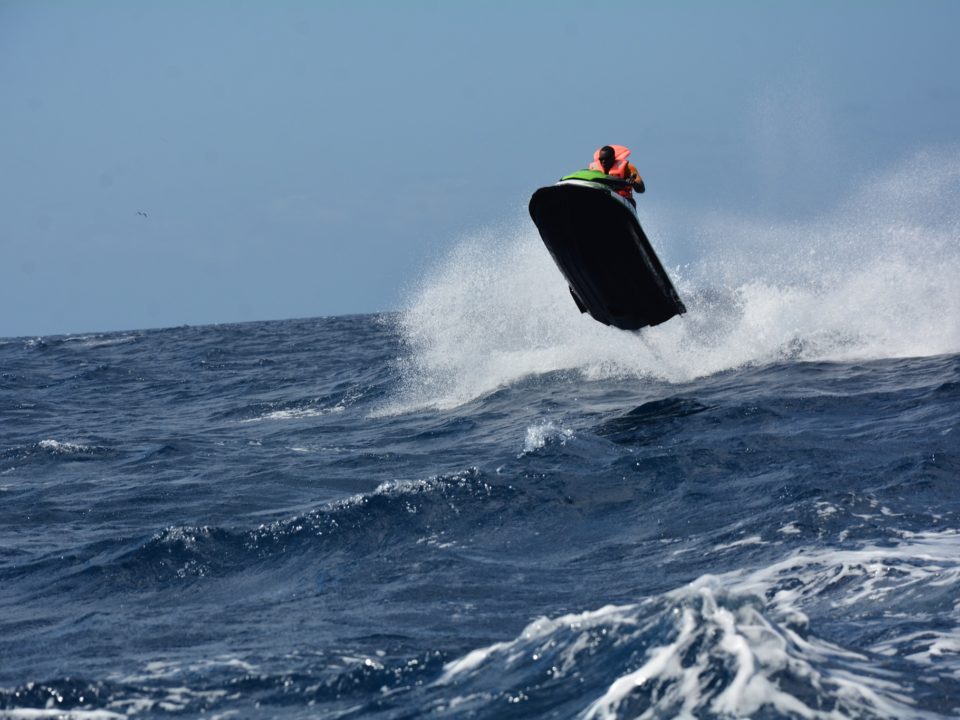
[599, 246]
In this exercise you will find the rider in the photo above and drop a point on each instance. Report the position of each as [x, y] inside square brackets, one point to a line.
[612, 160]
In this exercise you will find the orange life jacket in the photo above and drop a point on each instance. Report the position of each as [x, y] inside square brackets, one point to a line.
[619, 169]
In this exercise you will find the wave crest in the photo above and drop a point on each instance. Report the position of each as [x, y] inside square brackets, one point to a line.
[743, 644]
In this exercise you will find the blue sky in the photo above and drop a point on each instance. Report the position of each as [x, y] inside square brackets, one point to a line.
[297, 159]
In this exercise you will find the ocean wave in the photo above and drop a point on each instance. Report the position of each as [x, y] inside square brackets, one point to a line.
[743, 644]
[51, 450]
[331, 684]
[772, 539]
[297, 409]
[97, 341]
[409, 511]
[796, 638]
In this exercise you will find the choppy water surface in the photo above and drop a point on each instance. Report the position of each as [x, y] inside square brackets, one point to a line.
[489, 506]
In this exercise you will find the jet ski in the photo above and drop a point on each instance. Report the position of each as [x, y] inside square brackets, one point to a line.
[596, 240]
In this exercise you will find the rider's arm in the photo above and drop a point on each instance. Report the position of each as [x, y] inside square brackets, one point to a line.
[634, 176]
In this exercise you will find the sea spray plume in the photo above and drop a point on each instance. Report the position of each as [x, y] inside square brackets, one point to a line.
[869, 280]
[873, 279]
[494, 311]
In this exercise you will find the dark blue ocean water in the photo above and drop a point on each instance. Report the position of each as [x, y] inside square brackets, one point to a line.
[489, 506]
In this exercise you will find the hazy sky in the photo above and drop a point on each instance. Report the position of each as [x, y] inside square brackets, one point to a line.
[297, 159]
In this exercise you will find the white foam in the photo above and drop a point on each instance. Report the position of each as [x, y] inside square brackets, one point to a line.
[95, 341]
[307, 412]
[538, 631]
[294, 414]
[407, 489]
[158, 674]
[64, 448]
[874, 279]
[724, 643]
[540, 434]
[752, 540]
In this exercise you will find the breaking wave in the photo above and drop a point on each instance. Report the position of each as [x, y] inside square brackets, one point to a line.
[741, 644]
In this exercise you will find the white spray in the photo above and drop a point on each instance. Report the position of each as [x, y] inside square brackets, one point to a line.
[875, 278]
